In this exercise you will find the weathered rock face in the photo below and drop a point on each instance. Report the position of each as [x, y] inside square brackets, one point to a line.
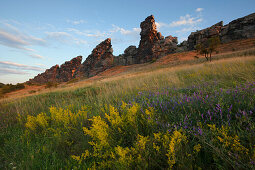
[48, 76]
[99, 60]
[241, 28]
[58, 74]
[66, 71]
[165, 46]
[202, 35]
[128, 58]
[149, 37]
[152, 44]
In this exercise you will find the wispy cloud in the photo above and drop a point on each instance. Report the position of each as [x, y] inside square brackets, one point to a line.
[186, 20]
[124, 31]
[5, 71]
[199, 9]
[17, 66]
[88, 33]
[64, 37]
[12, 37]
[58, 35]
[76, 22]
[36, 56]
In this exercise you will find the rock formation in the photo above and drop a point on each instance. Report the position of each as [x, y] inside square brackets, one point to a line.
[241, 28]
[149, 37]
[99, 60]
[66, 71]
[202, 35]
[63, 73]
[165, 46]
[128, 58]
[152, 46]
[48, 76]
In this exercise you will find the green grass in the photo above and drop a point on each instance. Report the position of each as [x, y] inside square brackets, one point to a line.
[16, 152]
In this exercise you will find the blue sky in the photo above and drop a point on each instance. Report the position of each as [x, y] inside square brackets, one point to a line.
[37, 34]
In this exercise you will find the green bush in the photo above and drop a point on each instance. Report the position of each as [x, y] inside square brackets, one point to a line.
[9, 87]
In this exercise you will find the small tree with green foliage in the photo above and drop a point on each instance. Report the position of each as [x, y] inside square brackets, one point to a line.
[208, 47]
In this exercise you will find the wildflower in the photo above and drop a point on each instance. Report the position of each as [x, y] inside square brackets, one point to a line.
[197, 148]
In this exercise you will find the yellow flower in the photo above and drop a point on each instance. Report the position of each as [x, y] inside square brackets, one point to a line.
[142, 141]
[197, 148]
[175, 144]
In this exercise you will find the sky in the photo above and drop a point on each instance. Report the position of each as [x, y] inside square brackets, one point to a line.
[37, 34]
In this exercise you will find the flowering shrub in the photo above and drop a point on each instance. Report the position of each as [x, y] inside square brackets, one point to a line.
[62, 126]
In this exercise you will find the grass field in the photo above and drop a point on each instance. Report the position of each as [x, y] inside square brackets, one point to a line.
[193, 114]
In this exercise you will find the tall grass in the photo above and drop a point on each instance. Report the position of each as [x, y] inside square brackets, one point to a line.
[98, 95]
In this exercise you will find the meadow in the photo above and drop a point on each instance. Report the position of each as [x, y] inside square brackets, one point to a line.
[195, 115]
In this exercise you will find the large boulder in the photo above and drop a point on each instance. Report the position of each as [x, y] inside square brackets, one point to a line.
[99, 60]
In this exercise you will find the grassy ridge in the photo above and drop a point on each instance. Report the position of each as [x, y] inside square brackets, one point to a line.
[220, 74]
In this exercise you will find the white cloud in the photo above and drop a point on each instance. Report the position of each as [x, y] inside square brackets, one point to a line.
[188, 29]
[57, 35]
[186, 20]
[124, 31]
[36, 56]
[158, 25]
[64, 37]
[10, 36]
[199, 9]
[76, 22]
[17, 66]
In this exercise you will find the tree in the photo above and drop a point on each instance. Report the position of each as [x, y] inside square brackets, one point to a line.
[213, 42]
[208, 47]
[201, 48]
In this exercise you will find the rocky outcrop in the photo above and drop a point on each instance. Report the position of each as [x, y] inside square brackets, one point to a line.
[149, 37]
[165, 46]
[202, 35]
[241, 28]
[128, 58]
[48, 76]
[152, 44]
[63, 73]
[99, 60]
[67, 70]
